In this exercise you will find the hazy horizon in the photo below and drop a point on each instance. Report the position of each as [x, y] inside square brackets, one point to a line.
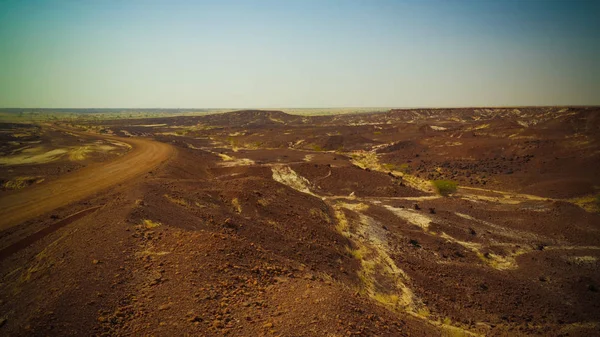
[298, 54]
[309, 108]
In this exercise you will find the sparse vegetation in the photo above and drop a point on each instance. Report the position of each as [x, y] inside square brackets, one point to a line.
[234, 142]
[150, 224]
[404, 167]
[390, 167]
[316, 147]
[445, 187]
[18, 183]
[236, 204]
[263, 219]
[315, 212]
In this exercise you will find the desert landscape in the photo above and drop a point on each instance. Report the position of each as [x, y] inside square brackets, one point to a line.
[395, 222]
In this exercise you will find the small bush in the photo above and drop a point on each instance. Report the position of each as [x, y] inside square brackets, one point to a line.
[445, 187]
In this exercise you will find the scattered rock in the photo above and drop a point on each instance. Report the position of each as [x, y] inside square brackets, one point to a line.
[164, 306]
[195, 318]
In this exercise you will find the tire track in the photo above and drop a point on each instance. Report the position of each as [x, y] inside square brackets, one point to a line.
[30, 203]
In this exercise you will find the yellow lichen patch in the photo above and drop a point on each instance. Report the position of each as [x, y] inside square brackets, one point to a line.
[150, 125]
[369, 160]
[358, 253]
[285, 175]
[263, 202]
[178, 133]
[576, 143]
[274, 223]
[150, 224]
[500, 230]
[342, 222]
[583, 260]
[237, 162]
[22, 134]
[319, 213]
[36, 155]
[579, 328]
[151, 253]
[41, 262]
[590, 203]
[18, 183]
[372, 250]
[477, 198]
[225, 157]
[177, 201]
[502, 194]
[411, 216]
[126, 133]
[478, 127]
[236, 204]
[359, 207]
[79, 153]
[572, 248]
[276, 120]
[120, 144]
[365, 160]
[493, 260]
[41, 155]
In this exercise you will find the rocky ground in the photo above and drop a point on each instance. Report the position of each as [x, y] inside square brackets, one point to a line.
[265, 223]
[31, 154]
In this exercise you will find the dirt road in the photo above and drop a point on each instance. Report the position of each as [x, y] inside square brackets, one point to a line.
[144, 155]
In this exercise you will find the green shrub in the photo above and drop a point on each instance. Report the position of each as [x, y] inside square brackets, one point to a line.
[444, 187]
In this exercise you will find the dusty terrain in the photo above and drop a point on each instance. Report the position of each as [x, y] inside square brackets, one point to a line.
[265, 223]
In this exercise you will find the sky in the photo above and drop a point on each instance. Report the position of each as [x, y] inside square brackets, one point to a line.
[322, 53]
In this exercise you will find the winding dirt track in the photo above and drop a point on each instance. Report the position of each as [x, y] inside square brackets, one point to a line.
[24, 205]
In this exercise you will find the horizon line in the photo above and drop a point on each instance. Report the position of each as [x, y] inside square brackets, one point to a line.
[338, 107]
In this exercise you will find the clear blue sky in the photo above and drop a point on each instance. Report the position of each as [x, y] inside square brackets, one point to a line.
[241, 54]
